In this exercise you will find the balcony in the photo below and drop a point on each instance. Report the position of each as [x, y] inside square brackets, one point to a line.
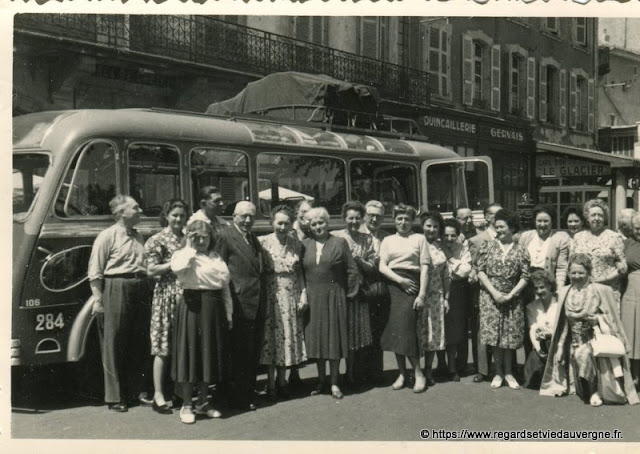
[212, 42]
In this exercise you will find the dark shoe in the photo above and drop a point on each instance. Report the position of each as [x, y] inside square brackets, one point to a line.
[119, 408]
[295, 381]
[272, 395]
[430, 381]
[455, 377]
[252, 407]
[162, 409]
[479, 378]
[319, 389]
[283, 391]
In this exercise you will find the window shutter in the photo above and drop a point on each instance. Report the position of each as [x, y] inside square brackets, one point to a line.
[467, 70]
[495, 78]
[531, 88]
[325, 30]
[573, 100]
[316, 29]
[543, 93]
[383, 51]
[369, 40]
[446, 78]
[563, 97]
[303, 25]
[590, 106]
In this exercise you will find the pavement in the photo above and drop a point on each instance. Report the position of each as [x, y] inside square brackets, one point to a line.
[365, 414]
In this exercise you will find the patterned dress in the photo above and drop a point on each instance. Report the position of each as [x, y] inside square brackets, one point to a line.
[358, 319]
[605, 251]
[502, 325]
[283, 343]
[158, 250]
[582, 360]
[431, 319]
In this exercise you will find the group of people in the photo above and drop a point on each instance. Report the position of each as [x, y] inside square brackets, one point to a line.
[212, 301]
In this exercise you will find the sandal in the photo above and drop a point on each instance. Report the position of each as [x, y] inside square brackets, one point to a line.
[208, 411]
[187, 416]
[497, 382]
[512, 382]
[399, 383]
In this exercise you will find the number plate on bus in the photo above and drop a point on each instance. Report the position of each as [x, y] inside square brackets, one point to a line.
[49, 321]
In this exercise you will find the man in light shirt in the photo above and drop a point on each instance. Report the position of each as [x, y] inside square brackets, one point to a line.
[481, 354]
[464, 218]
[121, 303]
[211, 207]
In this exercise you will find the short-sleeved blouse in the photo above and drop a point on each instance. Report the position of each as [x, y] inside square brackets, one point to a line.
[605, 251]
[405, 252]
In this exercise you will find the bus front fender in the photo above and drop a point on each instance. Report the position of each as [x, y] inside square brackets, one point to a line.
[80, 332]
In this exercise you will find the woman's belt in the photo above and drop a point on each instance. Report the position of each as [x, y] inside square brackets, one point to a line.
[136, 275]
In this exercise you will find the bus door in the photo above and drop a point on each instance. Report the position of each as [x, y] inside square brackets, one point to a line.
[457, 182]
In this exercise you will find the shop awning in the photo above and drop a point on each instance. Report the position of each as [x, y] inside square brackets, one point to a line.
[615, 161]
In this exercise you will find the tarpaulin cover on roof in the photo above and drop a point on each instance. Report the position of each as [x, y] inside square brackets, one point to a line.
[294, 88]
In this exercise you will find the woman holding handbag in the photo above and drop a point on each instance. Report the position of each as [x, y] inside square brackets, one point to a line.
[361, 247]
[581, 360]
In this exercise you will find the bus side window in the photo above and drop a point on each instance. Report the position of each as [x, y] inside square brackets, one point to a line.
[227, 170]
[90, 182]
[288, 178]
[154, 175]
[388, 182]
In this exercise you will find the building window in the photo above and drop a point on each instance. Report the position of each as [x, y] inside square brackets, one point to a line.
[549, 93]
[478, 66]
[551, 25]
[517, 93]
[311, 28]
[438, 59]
[580, 31]
[373, 38]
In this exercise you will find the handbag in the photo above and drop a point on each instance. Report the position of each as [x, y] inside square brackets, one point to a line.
[372, 290]
[606, 345]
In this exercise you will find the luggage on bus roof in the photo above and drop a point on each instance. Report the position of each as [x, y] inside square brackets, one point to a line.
[278, 93]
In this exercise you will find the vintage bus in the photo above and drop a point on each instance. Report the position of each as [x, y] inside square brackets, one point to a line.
[67, 165]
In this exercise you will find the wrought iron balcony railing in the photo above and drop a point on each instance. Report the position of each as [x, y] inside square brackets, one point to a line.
[210, 41]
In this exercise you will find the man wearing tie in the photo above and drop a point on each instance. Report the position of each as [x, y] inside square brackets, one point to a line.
[240, 249]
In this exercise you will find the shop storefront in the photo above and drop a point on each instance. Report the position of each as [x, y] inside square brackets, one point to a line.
[509, 145]
[568, 177]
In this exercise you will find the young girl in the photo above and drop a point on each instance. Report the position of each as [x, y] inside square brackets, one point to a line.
[202, 320]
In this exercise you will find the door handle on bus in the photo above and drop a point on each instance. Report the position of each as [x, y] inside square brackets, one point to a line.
[45, 251]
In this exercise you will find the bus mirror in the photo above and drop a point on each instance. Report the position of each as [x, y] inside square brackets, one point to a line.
[66, 269]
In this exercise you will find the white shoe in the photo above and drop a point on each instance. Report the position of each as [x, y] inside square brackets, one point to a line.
[496, 382]
[187, 416]
[512, 382]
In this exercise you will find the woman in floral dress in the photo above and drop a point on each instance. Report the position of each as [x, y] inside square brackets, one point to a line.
[158, 251]
[604, 246]
[431, 320]
[283, 344]
[362, 249]
[503, 272]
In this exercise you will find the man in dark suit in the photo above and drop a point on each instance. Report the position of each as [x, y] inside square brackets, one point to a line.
[240, 249]
[481, 354]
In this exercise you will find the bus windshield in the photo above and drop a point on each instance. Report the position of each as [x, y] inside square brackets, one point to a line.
[29, 170]
[457, 184]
